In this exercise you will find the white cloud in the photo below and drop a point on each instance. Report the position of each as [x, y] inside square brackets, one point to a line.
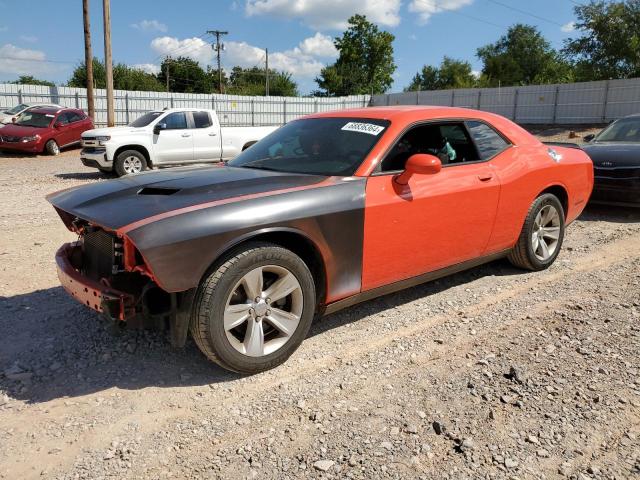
[426, 8]
[150, 26]
[194, 48]
[28, 38]
[328, 14]
[23, 61]
[568, 27]
[147, 67]
[319, 46]
[304, 60]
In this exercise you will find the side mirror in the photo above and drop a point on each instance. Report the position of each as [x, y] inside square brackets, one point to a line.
[57, 125]
[158, 127]
[13, 119]
[589, 138]
[419, 164]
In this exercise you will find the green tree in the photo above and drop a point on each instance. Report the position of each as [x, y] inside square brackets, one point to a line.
[523, 57]
[451, 73]
[609, 46]
[30, 80]
[187, 76]
[251, 81]
[365, 63]
[124, 78]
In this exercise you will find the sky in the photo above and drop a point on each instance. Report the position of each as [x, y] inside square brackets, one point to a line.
[49, 42]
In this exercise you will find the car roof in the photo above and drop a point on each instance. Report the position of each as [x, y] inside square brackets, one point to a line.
[52, 109]
[410, 114]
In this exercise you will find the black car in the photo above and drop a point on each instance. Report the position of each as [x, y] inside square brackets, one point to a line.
[615, 153]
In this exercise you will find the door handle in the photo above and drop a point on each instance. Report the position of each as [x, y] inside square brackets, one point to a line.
[213, 134]
[186, 135]
[485, 177]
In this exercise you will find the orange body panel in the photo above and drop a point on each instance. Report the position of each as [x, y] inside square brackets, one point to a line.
[463, 212]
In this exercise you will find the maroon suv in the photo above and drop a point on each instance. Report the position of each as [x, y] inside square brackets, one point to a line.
[45, 129]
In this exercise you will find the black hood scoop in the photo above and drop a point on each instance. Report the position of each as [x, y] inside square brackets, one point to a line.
[166, 191]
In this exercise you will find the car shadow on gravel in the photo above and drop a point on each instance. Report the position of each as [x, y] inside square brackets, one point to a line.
[610, 213]
[52, 347]
[496, 268]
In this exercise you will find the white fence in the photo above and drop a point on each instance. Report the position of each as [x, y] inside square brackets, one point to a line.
[232, 109]
[573, 103]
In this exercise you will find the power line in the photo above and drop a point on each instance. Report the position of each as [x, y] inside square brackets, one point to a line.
[525, 12]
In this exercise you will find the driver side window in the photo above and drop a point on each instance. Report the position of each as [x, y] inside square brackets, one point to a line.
[175, 121]
[449, 142]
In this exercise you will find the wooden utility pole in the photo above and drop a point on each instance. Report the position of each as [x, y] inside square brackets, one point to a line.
[266, 87]
[218, 48]
[108, 61]
[88, 59]
[167, 73]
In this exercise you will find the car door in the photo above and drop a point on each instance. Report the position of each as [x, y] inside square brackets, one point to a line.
[207, 144]
[436, 220]
[75, 126]
[174, 144]
[63, 129]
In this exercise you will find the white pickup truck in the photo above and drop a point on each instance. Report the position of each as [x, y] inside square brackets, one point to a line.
[175, 136]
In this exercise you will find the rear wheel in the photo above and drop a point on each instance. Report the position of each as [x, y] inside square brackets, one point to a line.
[129, 162]
[542, 235]
[52, 148]
[253, 311]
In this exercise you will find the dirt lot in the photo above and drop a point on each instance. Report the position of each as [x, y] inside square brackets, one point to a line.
[491, 373]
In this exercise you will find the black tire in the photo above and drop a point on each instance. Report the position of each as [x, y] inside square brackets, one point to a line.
[207, 319]
[522, 255]
[52, 148]
[120, 162]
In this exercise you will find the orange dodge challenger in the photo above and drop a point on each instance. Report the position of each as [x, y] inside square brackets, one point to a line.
[327, 211]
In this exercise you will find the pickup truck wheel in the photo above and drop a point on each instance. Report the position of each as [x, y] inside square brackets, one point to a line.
[254, 309]
[52, 148]
[130, 161]
[542, 235]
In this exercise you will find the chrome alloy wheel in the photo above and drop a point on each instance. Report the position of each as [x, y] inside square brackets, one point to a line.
[263, 310]
[132, 164]
[546, 232]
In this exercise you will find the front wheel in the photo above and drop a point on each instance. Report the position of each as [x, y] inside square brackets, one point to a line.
[254, 309]
[542, 235]
[52, 148]
[129, 162]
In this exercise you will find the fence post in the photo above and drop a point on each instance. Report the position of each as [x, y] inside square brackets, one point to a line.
[453, 98]
[479, 99]
[126, 106]
[364, 101]
[606, 102]
[417, 97]
[253, 113]
[555, 105]
[284, 111]
[171, 100]
[19, 95]
[515, 104]
[77, 100]
[315, 106]
[388, 95]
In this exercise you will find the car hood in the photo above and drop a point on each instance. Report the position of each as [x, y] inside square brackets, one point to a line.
[111, 131]
[13, 130]
[614, 154]
[124, 202]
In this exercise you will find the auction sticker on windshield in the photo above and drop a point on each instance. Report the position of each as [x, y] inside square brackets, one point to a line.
[369, 128]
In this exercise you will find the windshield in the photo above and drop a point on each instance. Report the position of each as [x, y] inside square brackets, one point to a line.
[145, 119]
[33, 119]
[625, 130]
[319, 146]
[16, 109]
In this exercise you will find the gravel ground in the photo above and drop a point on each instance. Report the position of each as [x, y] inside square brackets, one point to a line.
[491, 373]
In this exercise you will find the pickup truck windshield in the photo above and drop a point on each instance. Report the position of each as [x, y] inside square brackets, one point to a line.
[145, 119]
[318, 146]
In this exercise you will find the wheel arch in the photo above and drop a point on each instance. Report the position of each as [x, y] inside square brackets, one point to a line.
[292, 239]
[137, 147]
[561, 193]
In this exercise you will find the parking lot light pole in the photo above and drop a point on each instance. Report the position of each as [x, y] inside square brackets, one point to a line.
[108, 65]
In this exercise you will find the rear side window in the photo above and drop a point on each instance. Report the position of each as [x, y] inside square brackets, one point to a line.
[74, 117]
[488, 141]
[202, 119]
[175, 121]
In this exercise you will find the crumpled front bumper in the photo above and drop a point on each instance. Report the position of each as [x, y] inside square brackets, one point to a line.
[93, 294]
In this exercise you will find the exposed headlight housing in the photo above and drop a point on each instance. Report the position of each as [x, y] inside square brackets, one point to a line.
[102, 139]
[32, 138]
